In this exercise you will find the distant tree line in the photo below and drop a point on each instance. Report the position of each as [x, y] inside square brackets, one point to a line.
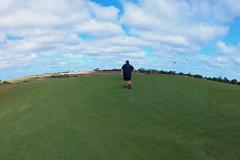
[219, 79]
[106, 70]
[154, 71]
[145, 71]
[4, 82]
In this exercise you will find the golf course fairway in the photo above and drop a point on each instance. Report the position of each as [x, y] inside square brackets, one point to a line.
[92, 117]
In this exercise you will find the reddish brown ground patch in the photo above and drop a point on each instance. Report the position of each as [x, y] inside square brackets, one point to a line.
[6, 86]
[106, 72]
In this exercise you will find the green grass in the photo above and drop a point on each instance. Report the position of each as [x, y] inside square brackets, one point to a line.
[93, 118]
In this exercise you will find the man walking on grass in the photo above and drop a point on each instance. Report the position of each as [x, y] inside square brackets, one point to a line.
[126, 71]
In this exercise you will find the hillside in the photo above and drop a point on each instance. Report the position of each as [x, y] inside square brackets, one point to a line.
[92, 117]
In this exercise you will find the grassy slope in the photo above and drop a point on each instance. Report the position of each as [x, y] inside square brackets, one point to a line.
[93, 117]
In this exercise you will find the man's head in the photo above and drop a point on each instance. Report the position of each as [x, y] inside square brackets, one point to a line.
[127, 61]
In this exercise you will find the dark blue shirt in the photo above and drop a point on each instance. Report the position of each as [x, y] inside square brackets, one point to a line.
[127, 70]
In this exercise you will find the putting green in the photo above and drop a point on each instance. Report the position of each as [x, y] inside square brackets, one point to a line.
[93, 117]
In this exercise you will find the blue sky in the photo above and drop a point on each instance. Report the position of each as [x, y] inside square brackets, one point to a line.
[37, 36]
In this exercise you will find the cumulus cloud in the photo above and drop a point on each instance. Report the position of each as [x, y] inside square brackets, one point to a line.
[231, 51]
[104, 13]
[71, 55]
[7, 61]
[2, 37]
[173, 22]
[99, 28]
[52, 28]
[59, 30]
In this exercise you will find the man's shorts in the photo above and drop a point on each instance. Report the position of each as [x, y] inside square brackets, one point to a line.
[127, 78]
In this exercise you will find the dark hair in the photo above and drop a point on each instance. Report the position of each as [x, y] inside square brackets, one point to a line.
[127, 61]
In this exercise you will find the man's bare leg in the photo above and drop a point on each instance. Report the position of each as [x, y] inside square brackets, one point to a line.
[129, 84]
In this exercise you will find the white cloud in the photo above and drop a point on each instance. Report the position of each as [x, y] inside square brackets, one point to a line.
[228, 49]
[231, 51]
[2, 37]
[136, 17]
[226, 10]
[181, 23]
[72, 39]
[123, 40]
[205, 32]
[9, 60]
[96, 28]
[70, 55]
[214, 10]
[4, 5]
[174, 40]
[104, 13]
[77, 29]
[52, 28]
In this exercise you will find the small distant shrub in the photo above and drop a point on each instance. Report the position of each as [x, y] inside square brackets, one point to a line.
[5, 82]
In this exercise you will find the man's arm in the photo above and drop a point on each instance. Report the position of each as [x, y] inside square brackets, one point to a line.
[121, 71]
[133, 70]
